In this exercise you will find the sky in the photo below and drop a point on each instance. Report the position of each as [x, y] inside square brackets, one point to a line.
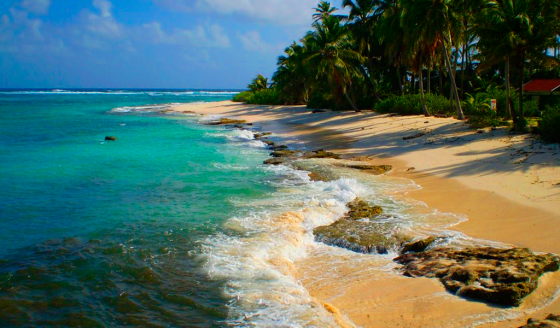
[202, 44]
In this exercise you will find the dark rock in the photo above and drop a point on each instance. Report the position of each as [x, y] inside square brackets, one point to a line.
[551, 321]
[269, 143]
[320, 154]
[284, 153]
[418, 246]
[315, 111]
[110, 138]
[275, 161]
[224, 121]
[281, 147]
[487, 274]
[260, 135]
[373, 169]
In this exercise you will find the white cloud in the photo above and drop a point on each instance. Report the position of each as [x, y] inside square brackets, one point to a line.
[200, 36]
[40, 7]
[283, 12]
[252, 41]
[103, 23]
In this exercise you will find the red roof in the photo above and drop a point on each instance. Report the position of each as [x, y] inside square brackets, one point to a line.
[542, 85]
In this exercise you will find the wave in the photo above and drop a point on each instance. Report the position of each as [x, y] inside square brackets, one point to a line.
[152, 93]
[144, 109]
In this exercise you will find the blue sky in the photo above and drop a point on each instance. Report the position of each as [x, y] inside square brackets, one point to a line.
[145, 43]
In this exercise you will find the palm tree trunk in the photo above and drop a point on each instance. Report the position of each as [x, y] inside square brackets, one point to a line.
[463, 70]
[424, 108]
[521, 81]
[460, 114]
[441, 69]
[508, 107]
[400, 79]
[429, 81]
[351, 102]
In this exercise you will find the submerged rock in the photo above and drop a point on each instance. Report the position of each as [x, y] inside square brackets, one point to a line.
[551, 321]
[419, 246]
[487, 274]
[110, 138]
[362, 236]
[374, 169]
[224, 121]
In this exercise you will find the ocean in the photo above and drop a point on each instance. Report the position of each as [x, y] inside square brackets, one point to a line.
[175, 224]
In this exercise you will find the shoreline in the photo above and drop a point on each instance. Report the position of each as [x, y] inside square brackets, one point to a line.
[498, 180]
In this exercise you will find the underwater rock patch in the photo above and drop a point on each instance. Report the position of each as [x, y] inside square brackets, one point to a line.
[110, 138]
[275, 161]
[487, 274]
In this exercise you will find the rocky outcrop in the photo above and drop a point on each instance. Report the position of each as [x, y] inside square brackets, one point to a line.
[361, 210]
[321, 153]
[551, 321]
[418, 246]
[224, 121]
[110, 138]
[285, 153]
[361, 231]
[490, 275]
[275, 161]
[260, 135]
[373, 169]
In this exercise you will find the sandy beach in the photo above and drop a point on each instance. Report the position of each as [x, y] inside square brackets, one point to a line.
[507, 185]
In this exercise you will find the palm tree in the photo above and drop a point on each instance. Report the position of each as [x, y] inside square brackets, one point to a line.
[429, 24]
[292, 76]
[323, 11]
[258, 83]
[515, 30]
[330, 56]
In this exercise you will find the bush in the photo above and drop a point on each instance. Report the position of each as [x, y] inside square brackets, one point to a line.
[549, 126]
[478, 122]
[261, 97]
[243, 96]
[412, 105]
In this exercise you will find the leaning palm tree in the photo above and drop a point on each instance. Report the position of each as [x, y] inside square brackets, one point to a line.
[517, 30]
[258, 83]
[429, 24]
[330, 56]
[323, 11]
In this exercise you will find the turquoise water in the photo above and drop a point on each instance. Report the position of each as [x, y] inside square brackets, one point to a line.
[100, 232]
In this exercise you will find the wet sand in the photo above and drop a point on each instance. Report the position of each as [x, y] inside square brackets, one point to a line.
[507, 185]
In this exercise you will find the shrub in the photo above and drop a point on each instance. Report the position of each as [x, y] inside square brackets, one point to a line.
[265, 97]
[261, 97]
[477, 122]
[549, 126]
[243, 96]
[412, 105]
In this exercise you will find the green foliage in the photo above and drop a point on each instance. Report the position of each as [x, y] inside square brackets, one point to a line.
[262, 97]
[484, 121]
[242, 96]
[258, 83]
[412, 105]
[549, 126]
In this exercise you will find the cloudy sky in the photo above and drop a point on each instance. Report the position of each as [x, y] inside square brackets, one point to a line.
[145, 43]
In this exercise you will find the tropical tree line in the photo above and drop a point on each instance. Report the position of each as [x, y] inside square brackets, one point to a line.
[431, 48]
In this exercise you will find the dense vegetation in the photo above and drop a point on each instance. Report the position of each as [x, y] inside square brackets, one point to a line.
[420, 56]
